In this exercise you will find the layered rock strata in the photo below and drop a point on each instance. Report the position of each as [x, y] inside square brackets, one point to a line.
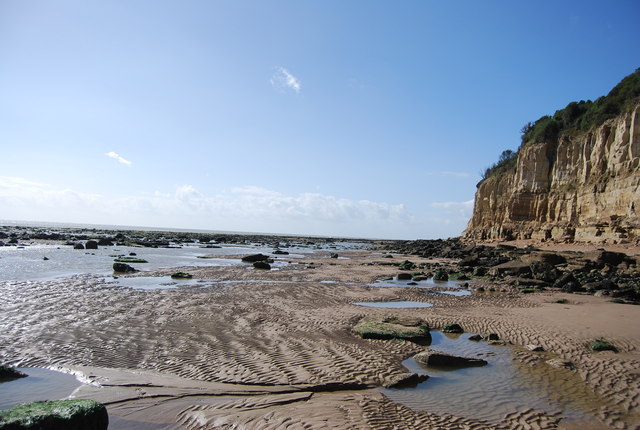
[579, 187]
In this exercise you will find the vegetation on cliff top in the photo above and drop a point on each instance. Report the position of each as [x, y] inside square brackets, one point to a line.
[579, 116]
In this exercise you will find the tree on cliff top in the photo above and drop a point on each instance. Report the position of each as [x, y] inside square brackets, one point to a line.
[577, 117]
[584, 115]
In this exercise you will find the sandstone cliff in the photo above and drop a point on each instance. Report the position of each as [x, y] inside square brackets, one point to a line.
[581, 187]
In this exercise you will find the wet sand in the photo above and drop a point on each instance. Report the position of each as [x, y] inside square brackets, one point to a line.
[280, 354]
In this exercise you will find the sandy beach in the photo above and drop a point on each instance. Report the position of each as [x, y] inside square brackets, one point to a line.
[275, 349]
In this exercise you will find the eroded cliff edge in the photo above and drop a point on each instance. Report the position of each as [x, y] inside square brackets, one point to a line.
[580, 187]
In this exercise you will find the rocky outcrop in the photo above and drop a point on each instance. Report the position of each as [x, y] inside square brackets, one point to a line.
[582, 187]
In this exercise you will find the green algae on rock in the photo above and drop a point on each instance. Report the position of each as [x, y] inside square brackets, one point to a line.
[79, 414]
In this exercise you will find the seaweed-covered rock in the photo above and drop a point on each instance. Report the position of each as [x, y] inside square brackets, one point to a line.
[407, 265]
[441, 275]
[79, 414]
[602, 345]
[130, 260]
[181, 275]
[255, 257]
[440, 359]
[123, 268]
[370, 329]
[452, 328]
[8, 373]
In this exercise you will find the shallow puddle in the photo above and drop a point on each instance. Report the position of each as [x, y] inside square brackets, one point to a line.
[454, 288]
[41, 384]
[155, 282]
[395, 305]
[503, 386]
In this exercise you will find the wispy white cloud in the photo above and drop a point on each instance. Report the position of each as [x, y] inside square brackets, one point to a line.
[118, 157]
[282, 78]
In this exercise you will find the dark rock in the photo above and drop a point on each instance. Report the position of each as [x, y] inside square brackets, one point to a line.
[463, 278]
[602, 257]
[8, 373]
[123, 268]
[480, 271]
[404, 276]
[534, 348]
[407, 265]
[475, 338]
[605, 284]
[77, 414]
[441, 275]
[278, 252]
[262, 265]
[181, 275]
[334, 255]
[255, 257]
[91, 244]
[492, 336]
[452, 328]
[440, 359]
[78, 246]
[470, 261]
[564, 279]
[405, 380]
[570, 287]
[512, 268]
[105, 242]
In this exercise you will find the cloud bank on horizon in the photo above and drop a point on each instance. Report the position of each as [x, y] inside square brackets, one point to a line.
[264, 210]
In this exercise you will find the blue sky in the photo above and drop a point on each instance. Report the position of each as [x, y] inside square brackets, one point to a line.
[351, 118]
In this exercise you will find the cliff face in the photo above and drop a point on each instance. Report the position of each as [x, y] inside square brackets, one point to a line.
[582, 187]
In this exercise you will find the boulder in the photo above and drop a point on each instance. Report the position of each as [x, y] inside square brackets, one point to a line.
[405, 380]
[440, 359]
[407, 265]
[334, 255]
[255, 257]
[181, 275]
[511, 268]
[105, 242]
[277, 252]
[404, 276]
[8, 373]
[441, 275]
[371, 329]
[601, 257]
[78, 246]
[123, 268]
[77, 414]
[452, 328]
[475, 337]
[262, 265]
[91, 244]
